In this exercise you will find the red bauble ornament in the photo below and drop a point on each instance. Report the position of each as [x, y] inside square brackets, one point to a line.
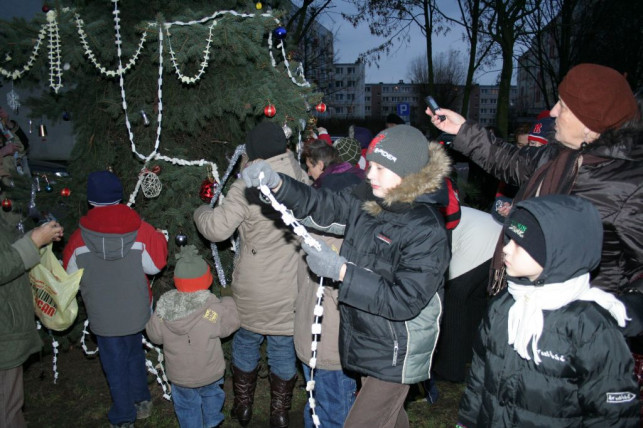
[6, 205]
[65, 192]
[270, 110]
[321, 107]
[45, 8]
[208, 188]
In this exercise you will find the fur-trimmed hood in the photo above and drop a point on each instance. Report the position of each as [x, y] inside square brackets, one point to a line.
[425, 186]
[180, 310]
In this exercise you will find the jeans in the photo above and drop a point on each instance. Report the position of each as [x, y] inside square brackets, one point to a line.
[334, 396]
[281, 353]
[123, 361]
[199, 407]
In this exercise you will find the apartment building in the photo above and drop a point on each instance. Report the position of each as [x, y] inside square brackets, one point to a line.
[403, 99]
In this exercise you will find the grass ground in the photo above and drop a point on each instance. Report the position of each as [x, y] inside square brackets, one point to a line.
[80, 398]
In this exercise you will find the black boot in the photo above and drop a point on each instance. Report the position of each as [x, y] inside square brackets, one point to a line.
[243, 385]
[280, 400]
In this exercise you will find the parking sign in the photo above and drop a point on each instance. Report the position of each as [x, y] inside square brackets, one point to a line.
[404, 111]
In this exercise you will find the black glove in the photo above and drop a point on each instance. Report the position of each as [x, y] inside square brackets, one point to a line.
[326, 263]
[251, 174]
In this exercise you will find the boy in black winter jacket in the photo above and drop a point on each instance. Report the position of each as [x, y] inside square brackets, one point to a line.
[550, 352]
[391, 265]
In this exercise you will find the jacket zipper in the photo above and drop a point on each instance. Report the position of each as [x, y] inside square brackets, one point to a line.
[395, 344]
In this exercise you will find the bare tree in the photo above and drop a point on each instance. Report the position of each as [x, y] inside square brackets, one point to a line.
[482, 50]
[449, 76]
[568, 32]
[547, 51]
[506, 24]
[393, 20]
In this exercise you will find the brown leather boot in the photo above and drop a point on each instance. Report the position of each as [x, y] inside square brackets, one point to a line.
[243, 385]
[280, 400]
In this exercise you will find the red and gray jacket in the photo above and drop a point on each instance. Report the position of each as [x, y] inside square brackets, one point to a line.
[117, 249]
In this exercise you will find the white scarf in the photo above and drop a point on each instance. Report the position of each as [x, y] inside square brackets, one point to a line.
[526, 314]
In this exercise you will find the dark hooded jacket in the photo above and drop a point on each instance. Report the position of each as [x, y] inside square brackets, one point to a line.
[585, 377]
[117, 249]
[614, 186]
[397, 252]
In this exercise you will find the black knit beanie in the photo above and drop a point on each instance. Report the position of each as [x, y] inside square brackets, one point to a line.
[403, 149]
[265, 141]
[525, 230]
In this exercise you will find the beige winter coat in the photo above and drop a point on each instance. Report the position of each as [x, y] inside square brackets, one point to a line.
[264, 282]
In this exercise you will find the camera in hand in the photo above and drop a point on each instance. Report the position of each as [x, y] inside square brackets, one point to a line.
[433, 105]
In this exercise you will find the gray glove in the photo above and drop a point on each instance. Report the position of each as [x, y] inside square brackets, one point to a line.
[326, 263]
[251, 175]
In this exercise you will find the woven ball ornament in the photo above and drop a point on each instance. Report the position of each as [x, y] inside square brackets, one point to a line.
[270, 110]
[151, 185]
[321, 107]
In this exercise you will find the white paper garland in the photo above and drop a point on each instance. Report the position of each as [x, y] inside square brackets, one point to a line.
[55, 71]
[316, 328]
[161, 377]
[92, 57]
[82, 340]
[204, 63]
[54, 349]
[17, 73]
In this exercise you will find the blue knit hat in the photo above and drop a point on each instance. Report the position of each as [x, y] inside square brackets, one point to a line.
[104, 188]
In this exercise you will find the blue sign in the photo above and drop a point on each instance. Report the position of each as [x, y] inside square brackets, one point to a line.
[404, 110]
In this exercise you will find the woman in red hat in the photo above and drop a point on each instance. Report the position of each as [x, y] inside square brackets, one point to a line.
[596, 154]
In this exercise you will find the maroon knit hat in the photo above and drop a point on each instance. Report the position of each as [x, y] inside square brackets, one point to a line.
[599, 96]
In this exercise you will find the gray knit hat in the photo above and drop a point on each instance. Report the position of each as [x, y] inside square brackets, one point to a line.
[348, 149]
[403, 149]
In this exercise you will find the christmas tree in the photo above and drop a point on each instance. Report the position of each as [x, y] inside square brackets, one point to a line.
[160, 92]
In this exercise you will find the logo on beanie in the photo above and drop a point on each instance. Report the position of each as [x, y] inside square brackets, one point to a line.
[374, 142]
[518, 228]
[385, 154]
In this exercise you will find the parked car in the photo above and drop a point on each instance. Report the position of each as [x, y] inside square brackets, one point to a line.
[54, 168]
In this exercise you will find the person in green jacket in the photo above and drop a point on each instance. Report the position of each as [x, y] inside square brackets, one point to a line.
[18, 335]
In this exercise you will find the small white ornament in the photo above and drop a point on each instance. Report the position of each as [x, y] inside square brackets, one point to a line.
[13, 100]
[151, 185]
[66, 66]
[287, 131]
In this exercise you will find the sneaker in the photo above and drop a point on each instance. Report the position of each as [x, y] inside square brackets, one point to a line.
[143, 409]
[123, 425]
